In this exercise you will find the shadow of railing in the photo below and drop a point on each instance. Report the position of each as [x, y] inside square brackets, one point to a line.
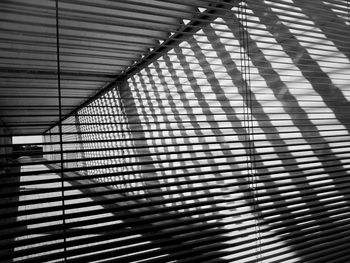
[318, 206]
[310, 69]
[328, 22]
[176, 131]
[161, 233]
[326, 221]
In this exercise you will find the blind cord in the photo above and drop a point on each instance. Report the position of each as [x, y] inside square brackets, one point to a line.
[60, 131]
[248, 120]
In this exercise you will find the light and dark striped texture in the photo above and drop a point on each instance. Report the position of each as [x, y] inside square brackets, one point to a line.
[233, 146]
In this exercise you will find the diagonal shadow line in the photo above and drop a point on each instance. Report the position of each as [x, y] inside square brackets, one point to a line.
[271, 132]
[290, 104]
[219, 94]
[71, 134]
[181, 90]
[85, 138]
[130, 109]
[107, 130]
[307, 66]
[134, 124]
[122, 129]
[95, 136]
[204, 64]
[205, 105]
[238, 81]
[258, 113]
[220, 233]
[88, 137]
[331, 25]
[103, 101]
[87, 124]
[10, 242]
[170, 241]
[80, 144]
[331, 95]
[164, 113]
[211, 234]
[176, 112]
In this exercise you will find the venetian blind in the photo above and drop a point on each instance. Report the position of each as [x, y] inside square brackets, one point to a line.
[229, 143]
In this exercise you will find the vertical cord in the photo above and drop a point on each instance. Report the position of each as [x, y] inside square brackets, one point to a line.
[251, 133]
[241, 52]
[60, 132]
[248, 120]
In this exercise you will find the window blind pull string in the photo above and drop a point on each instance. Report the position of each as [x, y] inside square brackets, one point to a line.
[60, 132]
[248, 120]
